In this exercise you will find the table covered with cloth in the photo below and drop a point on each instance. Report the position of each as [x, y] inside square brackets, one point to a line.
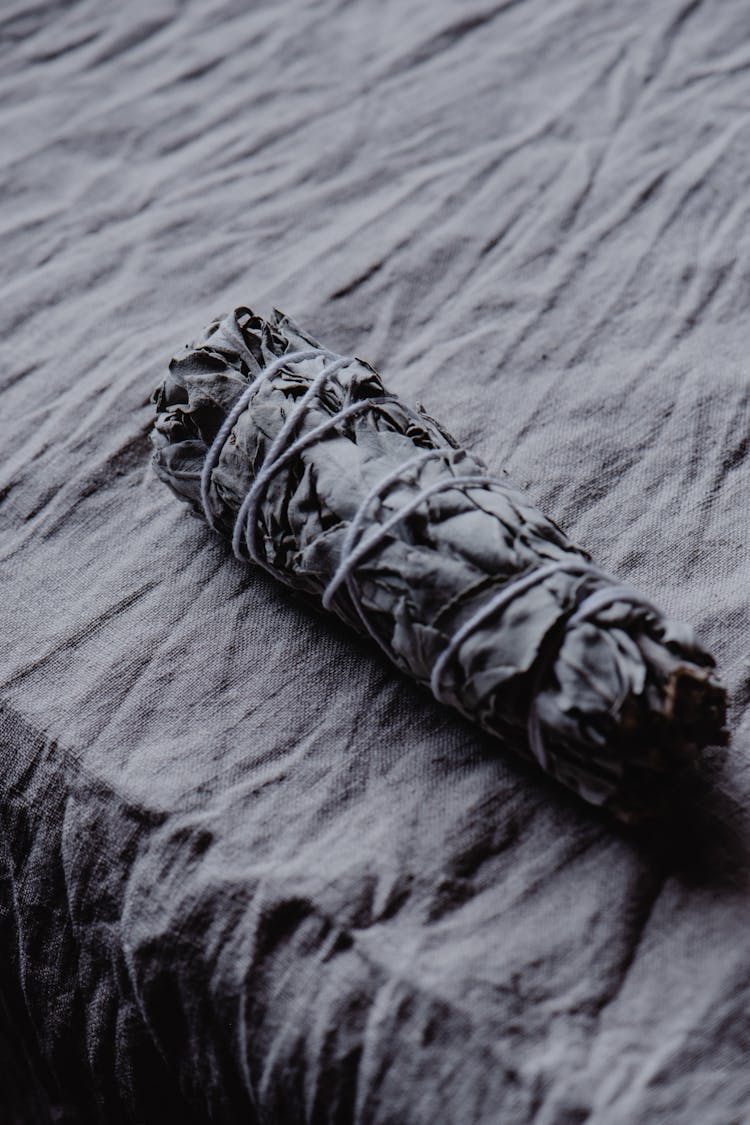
[248, 871]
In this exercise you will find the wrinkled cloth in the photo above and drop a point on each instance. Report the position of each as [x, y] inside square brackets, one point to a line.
[248, 872]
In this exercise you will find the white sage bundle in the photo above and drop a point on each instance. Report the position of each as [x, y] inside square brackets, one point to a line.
[315, 472]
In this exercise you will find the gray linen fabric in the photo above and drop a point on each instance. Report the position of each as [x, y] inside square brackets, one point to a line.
[247, 871]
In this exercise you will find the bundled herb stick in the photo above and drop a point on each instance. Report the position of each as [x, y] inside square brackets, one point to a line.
[314, 471]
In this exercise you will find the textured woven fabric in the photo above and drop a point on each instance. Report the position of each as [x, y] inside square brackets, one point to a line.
[247, 871]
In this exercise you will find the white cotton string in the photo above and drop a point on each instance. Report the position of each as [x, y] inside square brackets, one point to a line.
[353, 555]
[345, 567]
[249, 505]
[600, 599]
[214, 451]
[282, 451]
[247, 515]
[502, 599]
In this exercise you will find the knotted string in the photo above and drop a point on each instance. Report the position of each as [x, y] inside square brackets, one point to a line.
[354, 549]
